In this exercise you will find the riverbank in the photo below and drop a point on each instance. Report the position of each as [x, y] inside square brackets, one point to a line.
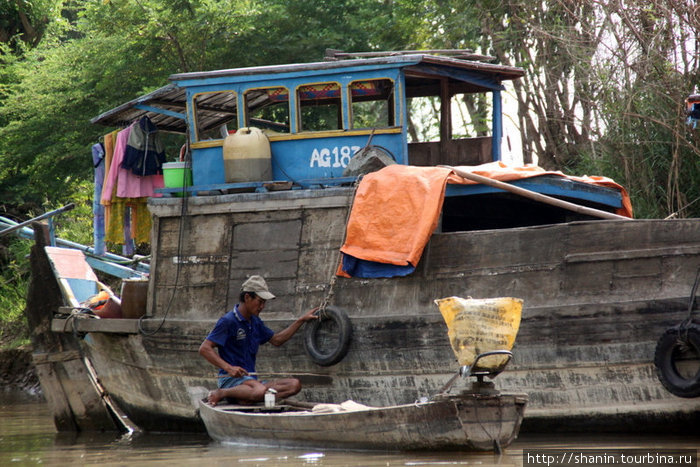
[17, 371]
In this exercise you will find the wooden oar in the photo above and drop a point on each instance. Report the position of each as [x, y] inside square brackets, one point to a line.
[274, 373]
[536, 196]
[309, 379]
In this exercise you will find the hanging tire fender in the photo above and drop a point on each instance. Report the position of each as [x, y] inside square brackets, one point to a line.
[340, 349]
[672, 342]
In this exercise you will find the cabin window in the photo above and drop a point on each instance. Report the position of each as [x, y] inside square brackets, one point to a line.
[319, 107]
[471, 115]
[268, 109]
[423, 119]
[215, 114]
[372, 103]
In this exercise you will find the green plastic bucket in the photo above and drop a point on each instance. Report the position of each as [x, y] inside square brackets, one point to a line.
[177, 175]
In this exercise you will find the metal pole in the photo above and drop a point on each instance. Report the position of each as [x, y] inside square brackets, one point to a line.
[67, 207]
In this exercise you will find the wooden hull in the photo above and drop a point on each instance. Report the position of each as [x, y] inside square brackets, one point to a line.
[469, 423]
[597, 297]
[76, 399]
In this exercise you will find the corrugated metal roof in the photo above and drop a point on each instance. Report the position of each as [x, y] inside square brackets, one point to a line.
[170, 98]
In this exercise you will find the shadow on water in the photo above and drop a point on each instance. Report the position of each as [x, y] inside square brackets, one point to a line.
[28, 437]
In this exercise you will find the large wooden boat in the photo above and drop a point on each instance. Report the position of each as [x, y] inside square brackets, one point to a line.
[598, 294]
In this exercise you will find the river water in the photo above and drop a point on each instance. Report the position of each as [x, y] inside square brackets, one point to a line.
[28, 437]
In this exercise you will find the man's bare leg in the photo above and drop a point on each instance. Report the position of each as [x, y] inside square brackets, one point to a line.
[285, 387]
[248, 391]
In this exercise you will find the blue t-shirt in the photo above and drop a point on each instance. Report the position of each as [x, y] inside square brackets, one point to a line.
[238, 339]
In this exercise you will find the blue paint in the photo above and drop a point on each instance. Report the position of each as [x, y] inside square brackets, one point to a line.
[208, 166]
[82, 288]
[484, 80]
[548, 185]
[325, 157]
[497, 127]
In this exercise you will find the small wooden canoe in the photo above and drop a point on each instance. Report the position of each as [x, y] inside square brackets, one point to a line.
[469, 422]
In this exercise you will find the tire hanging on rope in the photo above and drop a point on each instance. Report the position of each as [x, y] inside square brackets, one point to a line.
[323, 348]
[672, 346]
[681, 344]
[315, 337]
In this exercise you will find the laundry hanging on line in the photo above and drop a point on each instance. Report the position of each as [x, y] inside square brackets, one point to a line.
[124, 194]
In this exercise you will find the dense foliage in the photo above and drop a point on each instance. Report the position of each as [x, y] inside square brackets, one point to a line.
[603, 93]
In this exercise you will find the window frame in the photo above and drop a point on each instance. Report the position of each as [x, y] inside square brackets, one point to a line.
[299, 106]
[246, 112]
[393, 115]
[197, 135]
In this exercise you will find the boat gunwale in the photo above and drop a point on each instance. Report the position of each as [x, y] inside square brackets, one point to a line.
[518, 398]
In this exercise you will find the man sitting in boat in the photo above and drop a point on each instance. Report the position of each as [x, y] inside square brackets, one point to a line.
[233, 345]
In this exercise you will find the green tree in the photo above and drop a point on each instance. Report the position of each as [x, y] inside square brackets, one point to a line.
[604, 90]
[26, 21]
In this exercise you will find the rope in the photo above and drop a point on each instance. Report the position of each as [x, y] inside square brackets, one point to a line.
[684, 324]
[331, 283]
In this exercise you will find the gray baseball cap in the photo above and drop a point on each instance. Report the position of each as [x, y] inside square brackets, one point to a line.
[257, 285]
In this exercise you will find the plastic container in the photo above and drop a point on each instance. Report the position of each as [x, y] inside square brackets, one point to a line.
[270, 398]
[247, 156]
[177, 174]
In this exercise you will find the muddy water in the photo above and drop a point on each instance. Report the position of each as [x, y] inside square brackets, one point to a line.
[28, 437]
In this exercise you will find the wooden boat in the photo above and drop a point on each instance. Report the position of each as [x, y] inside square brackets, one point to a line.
[69, 382]
[469, 422]
[598, 293]
[479, 418]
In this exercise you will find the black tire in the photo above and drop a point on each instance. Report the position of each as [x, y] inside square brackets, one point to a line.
[668, 348]
[316, 344]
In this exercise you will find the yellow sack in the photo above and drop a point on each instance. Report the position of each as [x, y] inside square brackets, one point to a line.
[475, 326]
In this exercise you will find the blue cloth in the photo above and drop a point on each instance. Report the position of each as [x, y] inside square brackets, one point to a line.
[238, 339]
[371, 269]
[98, 210]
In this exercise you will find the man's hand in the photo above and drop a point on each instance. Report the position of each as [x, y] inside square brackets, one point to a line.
[236, 371]
[283, 336]
[310, 315]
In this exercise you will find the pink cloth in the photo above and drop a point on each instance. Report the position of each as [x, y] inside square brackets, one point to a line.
[128, 184]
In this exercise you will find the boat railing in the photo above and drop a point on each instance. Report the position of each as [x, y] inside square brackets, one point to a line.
[479, 372]
[109, 263]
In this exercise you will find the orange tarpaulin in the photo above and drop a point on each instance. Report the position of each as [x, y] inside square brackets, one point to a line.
[397, 208]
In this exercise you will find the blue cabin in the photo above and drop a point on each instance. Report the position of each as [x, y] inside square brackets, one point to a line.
[317, 115]
[421, 109]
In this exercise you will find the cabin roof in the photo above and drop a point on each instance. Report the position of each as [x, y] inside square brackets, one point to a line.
[166, 106]
[502, 72]
[170, 98]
